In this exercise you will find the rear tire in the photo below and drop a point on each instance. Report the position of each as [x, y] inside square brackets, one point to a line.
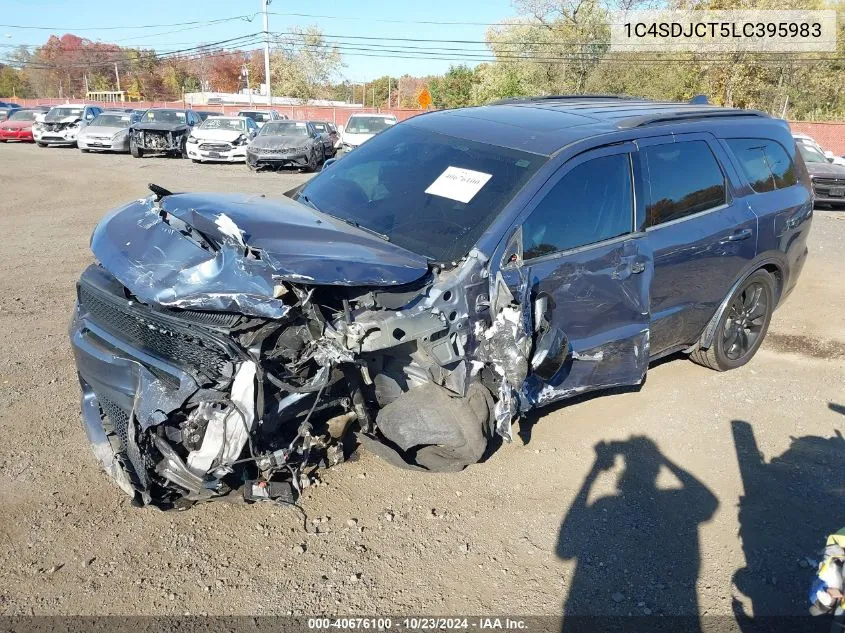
[743, 325]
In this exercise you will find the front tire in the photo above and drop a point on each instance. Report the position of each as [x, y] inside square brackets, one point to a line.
[136, 151]
[743, 325]
[312, 162]
[40, 144]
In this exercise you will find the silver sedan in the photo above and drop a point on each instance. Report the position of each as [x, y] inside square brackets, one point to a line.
[108, 132]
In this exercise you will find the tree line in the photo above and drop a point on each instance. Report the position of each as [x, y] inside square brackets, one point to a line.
[550, 47]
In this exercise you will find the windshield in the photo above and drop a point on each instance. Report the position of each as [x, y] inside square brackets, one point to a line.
[427, 192]
[63, 113]
[220, 123]
[163, 116]
[23, 115]
[368, 124]
[284, 128]
[811, 154]
[258, 117]
[112, 120]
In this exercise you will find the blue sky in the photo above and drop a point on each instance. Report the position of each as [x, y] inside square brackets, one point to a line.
[361, 18]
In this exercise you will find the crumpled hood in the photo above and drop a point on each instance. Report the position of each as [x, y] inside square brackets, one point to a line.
[826, 170]
[256, 244]
[61, 119]
[276, 142]
[216, 135]
[160, 127]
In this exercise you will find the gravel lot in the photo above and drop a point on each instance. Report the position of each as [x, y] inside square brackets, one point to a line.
[701, 522]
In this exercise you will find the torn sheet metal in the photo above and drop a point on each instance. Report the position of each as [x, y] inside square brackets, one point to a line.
[229, 252]
[506, 345]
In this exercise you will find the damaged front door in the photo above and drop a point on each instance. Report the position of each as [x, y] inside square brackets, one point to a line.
[587, 273]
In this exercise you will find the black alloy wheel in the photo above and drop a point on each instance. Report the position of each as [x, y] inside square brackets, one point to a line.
[742, 326]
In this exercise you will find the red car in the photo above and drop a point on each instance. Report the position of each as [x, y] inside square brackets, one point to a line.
[18, 127]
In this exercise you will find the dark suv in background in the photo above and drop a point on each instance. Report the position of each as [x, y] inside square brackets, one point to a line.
[456, 271]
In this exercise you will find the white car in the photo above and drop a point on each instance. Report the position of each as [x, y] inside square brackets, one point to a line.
[222, 139]
[811, 142]
[262, 116]
[62, 123]
[363, 127]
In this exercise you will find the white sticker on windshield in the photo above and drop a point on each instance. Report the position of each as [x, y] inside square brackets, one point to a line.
[457, 183]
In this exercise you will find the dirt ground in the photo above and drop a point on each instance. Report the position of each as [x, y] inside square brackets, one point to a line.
[719, 486]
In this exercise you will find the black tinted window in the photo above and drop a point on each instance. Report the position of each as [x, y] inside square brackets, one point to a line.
[430, 193]
[765, 163]
[593, 202]
[682, 178]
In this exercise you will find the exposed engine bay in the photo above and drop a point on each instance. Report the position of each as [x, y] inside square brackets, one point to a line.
[209, 365]
[158, 140]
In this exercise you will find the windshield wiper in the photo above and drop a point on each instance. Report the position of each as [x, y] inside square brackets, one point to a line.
[357, 225]
[304, 198]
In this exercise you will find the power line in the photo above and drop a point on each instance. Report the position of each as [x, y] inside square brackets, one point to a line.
[247, 17]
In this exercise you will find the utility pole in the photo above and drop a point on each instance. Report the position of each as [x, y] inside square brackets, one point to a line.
[264, 4]
[245, 73]
[399, 94]
[117, 76]
[388, 92]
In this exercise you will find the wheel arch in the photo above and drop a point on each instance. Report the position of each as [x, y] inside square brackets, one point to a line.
[773, 265]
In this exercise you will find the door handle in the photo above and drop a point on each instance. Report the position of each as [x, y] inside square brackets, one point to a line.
[736, 236]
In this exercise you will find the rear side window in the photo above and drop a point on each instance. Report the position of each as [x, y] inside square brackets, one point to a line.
[765, 163]
[683, 179]
[591, 203]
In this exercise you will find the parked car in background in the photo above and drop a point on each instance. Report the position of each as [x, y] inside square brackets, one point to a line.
[62, 124]
[262, 116]
[221, 139]
[18, 127]
[6, 109]
[828, 179]
[331, 139]
[108, 132]
[204, 114]
[286, 144]
[458, 270]
[811, 142]
[362, 127]
[162, 131]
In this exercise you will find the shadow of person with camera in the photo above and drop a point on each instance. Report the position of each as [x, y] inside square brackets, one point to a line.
[637, 549]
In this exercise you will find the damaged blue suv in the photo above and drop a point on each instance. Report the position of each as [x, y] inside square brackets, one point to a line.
[417, 296]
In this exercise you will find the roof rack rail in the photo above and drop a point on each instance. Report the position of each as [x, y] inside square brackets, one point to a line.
[573, 97]
[688, 115]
